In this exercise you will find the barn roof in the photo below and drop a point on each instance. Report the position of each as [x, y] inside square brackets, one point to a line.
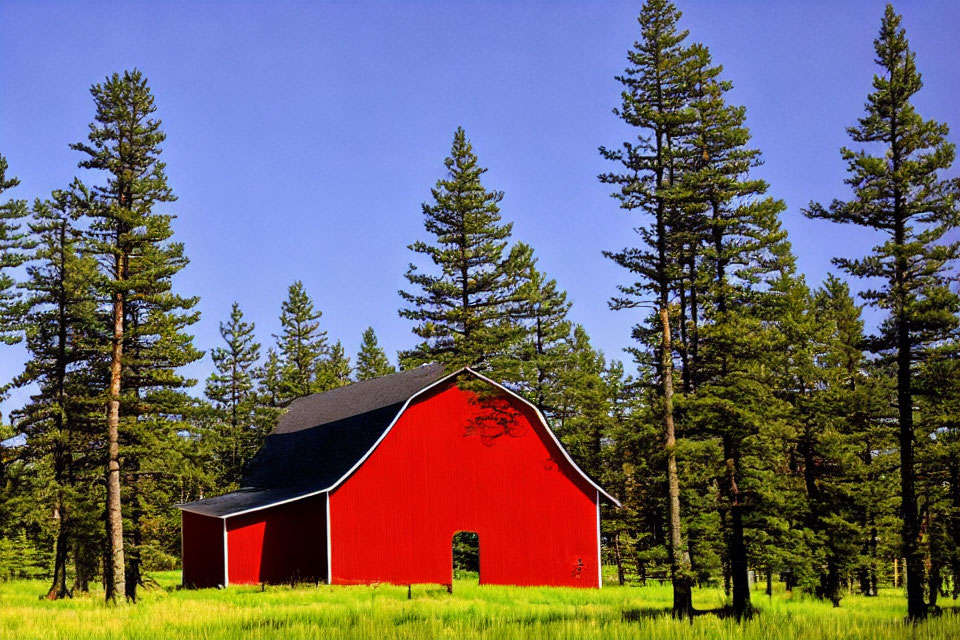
[356, 399]
[318, 440]
[323, 437]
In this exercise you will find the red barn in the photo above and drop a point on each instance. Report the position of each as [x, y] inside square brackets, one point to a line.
[370, 482]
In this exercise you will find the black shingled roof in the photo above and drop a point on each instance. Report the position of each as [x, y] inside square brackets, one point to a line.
[319, 439]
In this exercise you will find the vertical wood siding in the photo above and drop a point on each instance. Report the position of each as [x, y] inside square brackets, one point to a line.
[452, 464]
[279, 544]
[202, 550]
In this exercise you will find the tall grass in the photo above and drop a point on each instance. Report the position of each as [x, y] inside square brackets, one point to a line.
[470, 612]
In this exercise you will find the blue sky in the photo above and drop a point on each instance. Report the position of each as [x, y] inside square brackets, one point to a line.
[303, 136]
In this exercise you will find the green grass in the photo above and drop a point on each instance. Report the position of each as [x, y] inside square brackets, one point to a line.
[470, 612]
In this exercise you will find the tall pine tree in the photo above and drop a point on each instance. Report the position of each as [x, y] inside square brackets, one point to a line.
[899, 192]
[731, 256]
[466, 311]
[132, 241]
[654, 101]
[60, 319]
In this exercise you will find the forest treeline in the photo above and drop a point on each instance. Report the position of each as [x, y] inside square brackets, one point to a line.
[761, 428]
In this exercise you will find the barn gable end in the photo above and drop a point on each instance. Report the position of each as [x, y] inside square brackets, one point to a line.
[455, 461]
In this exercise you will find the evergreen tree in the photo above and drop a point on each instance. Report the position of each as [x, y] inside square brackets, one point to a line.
[60, 324]
[232, 390]
[466, 313]
[302, 353]
[138, 260]
[735, 272]
[545, 352]
[899, 193]
[938, 413]
[372, 362]
[13, 246]
[584, 411]
[654, 99]
[336, 368]
[271, 381]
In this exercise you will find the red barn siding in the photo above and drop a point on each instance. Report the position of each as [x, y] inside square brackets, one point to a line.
[202, 550]
[448, 465]
[280, 543]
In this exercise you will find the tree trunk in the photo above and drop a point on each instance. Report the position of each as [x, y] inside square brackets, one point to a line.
[684, 348]
[679, 565]
[913, 556]
[59, 589]
[619, 557]
[830, 583]
[935, 580]
[133, 576]
[916, 607]
[737, 547]
[116, 585]
[62, 456]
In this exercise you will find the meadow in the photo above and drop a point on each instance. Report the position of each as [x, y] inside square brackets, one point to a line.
[471, 611]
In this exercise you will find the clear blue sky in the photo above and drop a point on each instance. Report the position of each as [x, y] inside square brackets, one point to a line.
[303, 136]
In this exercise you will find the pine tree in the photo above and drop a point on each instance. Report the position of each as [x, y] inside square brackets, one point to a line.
[232, 390]
[336, 368]
[584, 410]
[544, 353]
[900, 194]
[14, 244]
[302, 349]
[733, 259]
[372, 362]
[938, 413]
[138, 261]
[271, 381]
[654, 97]
[60, 308]
[156, 409]
[466, 313]
[851, 409]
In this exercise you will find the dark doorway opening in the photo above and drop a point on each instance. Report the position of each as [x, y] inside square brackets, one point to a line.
[466, 556]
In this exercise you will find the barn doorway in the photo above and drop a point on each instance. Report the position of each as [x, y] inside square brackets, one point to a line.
[466, 556]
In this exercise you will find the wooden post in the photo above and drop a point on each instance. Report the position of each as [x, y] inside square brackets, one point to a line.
[896, 574]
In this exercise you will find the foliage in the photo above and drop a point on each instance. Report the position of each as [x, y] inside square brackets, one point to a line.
[899, 193]
[13, 245]
[242, 420]
[465, 312]
[302, 362]
[372, 362]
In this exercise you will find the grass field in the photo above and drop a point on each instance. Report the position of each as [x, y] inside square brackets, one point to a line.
[470, 612]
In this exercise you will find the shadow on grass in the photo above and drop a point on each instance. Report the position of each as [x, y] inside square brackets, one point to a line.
[652, 613]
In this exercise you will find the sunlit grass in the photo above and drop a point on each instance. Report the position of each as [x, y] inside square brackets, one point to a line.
[470, 612]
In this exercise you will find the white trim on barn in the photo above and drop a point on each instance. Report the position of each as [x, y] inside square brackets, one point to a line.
[183, 574]
[329, 545]
[599, 562]
[226, 557]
